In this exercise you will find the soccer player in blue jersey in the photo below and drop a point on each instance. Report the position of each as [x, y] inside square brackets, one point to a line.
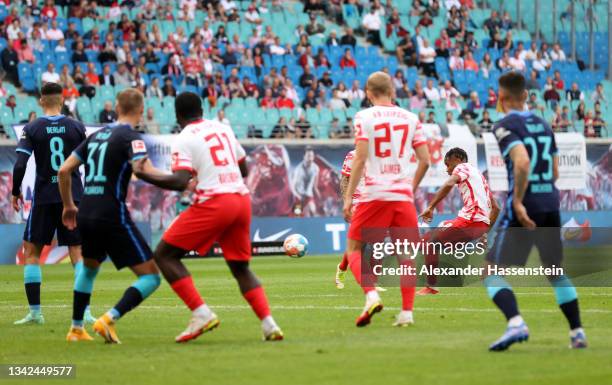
[103, 218]
[51, 139]
[528, 146]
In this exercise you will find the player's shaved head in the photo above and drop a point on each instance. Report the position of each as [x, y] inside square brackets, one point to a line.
[379, 85]
[51, 96]
[188, 107]
[130, 102]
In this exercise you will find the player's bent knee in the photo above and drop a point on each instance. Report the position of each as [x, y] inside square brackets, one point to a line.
[147, 284]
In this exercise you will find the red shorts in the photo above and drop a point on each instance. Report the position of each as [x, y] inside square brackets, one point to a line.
[458, 230]
[382, 215]
[225, 218]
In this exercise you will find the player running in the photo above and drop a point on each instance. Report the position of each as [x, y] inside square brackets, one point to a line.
[344, 180]
[385, 137]
[528, 146]
[221, 212]
[103, 218]
[479, 212]
[51, 139]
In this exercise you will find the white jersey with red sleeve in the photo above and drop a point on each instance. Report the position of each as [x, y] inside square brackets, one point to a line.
[474, 192]
[347, 167]
[392, 134]
[211, 152]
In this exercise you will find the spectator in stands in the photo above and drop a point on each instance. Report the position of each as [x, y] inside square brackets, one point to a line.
[252, 91]
[24, 51]
[504, 61]
[532, 53]
[92, 74]
[372, 24]
[121, 77]
[13, 30]
[307, 78]
[557, 120]
[50, 76]
[65, 76]
[70, 94]
[452, 104]
[280, 129]
[283, 101]
[551, 97]
[347, 60]
[303, 128]
[221, 117]
[580, 111]
[532, 83]
[326, 80]
[168, 88]
[418, 101]
[310, 101]
[78, 55]
[403, 92]
[486, 124]
[406, 52]
[473, 107]
[107, 115]
[343, 93]
[532, 103]
[508, 42]
[557, 81]
[557, 53]
[54, 33]
[348, 38]
[517, 63]
[506, 21]
[10, 60]
[456, 61]
[336, 103]
[314, 28]
[427, 56]
[431, 92]
[589, 129]
[491, 98]
[321, 60]
[447, 90]
[268, 100]
[61, 46]
[356, 93]
[574, 93]
[469, 63]
[154, 90]
[398, 79]
[307, 60]
[443, 50]
[493, 24]
[11, 103]
[599, 124]
[149, 122]
[431, 118]
[332, 40]
[48, 11]
[87, 89]
[599, 95]
[425, 20]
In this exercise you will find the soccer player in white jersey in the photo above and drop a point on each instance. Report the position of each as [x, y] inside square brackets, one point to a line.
[478, 215]
[221, 213]
[386, 136]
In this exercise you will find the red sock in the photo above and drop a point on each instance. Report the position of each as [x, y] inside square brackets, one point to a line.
[354, 260]
[187, 291]
[407, 288]
[343, 263]
[259, 303]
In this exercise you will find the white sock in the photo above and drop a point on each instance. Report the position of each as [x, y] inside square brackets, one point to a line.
[515, 321]
[372, 296]
[574, 332]
[268, 324]
[203, 311]
[405, 313]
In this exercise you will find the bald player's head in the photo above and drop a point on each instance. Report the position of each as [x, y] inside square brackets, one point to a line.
[379, 88]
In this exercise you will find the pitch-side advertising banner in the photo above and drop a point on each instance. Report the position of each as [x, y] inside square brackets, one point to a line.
[572, 162]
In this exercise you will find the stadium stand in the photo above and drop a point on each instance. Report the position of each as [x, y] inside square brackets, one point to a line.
[295, 69]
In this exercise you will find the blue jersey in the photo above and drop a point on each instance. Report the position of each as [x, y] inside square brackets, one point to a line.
[536, 135]
[108, 156]
[51, 139]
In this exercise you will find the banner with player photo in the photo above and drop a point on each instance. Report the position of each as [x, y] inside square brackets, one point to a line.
[572, 162]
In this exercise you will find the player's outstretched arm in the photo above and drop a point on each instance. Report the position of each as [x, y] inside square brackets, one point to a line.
[446, 188]
[177, 181]
[18, 173]
[344, 180]
[64, 178]
[521, 163]
[423, 161]
[361, 155]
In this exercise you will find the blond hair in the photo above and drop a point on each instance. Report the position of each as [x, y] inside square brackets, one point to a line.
[380, 84]
[130, 101]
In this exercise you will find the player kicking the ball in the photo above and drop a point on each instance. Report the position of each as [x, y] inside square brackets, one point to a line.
[385, 136]
[51, 138]
[103, 217]
[479, 212]
[528, 146]
[221, 212]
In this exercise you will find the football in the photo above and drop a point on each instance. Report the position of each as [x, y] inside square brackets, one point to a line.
[296, 245]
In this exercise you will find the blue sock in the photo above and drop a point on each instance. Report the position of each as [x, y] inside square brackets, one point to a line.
[501, 293]
[567, 299]
[83, 286]
[135, 294]
[77, 269]
[32, 278]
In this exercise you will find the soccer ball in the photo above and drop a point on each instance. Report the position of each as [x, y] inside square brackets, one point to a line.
[296, 245]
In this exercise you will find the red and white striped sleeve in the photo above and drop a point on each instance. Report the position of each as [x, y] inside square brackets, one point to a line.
[419, 137]
[181, 155]
[462, 171]
[347, 165]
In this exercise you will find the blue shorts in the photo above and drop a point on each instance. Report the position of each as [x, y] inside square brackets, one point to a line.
[121, 242]
[513, 244]
[44, 221]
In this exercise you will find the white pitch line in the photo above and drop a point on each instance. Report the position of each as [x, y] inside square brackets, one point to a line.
[314, 307]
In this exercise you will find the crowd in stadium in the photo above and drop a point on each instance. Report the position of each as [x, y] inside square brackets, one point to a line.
[231, 50]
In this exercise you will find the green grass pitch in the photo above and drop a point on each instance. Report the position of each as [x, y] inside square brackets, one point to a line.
[448, 344]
